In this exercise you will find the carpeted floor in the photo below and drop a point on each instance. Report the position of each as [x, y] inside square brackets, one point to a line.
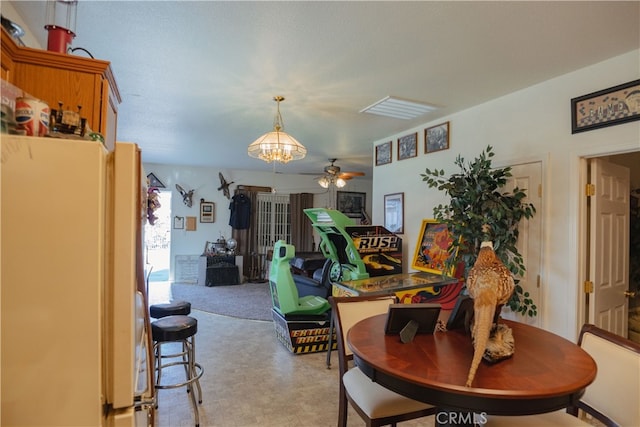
[245, 301]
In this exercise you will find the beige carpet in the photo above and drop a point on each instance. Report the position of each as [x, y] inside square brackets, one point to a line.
[245, 301]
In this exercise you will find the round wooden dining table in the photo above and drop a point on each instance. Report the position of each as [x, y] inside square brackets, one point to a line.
[546, 372]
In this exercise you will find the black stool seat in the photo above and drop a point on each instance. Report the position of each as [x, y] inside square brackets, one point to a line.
[174, 328]
[158, 311]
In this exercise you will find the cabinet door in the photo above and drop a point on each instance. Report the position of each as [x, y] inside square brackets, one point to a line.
[79, 84]
[108, 116]
[7, 66]
[75, 90]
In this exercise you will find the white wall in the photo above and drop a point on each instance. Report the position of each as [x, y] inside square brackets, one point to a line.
[9, 12]
[205, 181]
[533, 124]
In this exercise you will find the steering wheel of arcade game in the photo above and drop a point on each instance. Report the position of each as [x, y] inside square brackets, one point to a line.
[340, 272]
[335, 273]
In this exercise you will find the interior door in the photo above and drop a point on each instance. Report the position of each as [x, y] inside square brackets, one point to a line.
[274, 220]
[528, 176]
[608, 246]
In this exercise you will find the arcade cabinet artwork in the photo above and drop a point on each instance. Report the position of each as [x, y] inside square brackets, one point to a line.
[301, 323]
[368, 261]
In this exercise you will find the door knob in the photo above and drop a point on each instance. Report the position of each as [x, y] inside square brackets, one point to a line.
[630, 294]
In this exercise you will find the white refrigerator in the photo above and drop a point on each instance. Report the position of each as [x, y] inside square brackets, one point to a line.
[74, 325]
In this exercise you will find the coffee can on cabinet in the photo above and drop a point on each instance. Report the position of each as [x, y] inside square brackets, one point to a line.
[32, 116]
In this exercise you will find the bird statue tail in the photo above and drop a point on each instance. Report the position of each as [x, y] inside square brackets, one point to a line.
[484, 313]
[484, 310]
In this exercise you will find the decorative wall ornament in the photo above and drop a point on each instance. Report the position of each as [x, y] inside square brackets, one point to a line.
[154, 181]
[612, 106]
[224, 186]
[153, 203]
[351, 203]
[191, 223]
[207, 211]
[187, 196]
[408, 146]
[383, 153]
[436, 138]
[394, 212]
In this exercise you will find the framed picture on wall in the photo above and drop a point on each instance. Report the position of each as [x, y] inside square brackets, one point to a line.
[436, 138]
[394, 212]
[612, 106]
[383, 153]
[351, 203]
[408, 146]
[178, 222]
[207, 211]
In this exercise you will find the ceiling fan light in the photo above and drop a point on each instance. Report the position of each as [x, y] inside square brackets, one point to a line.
[324, 182]
[340, 182]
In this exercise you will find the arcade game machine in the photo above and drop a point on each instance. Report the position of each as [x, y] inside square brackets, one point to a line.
[302, 323]
[368, 261]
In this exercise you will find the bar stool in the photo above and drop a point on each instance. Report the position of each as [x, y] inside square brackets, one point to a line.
[158, 311]
[178, 329]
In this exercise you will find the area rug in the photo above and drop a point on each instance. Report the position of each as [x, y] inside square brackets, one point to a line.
[245, 301]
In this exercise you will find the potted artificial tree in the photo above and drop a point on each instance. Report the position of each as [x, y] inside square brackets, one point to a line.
[476, 201]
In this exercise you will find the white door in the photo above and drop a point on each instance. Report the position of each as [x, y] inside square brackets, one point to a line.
[609, 246]
[528, 176]
[274, 220]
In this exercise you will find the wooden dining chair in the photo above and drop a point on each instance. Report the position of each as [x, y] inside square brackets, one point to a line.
[612, 398]
[376, 405]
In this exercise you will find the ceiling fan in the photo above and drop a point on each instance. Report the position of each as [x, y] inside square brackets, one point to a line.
[333, 175]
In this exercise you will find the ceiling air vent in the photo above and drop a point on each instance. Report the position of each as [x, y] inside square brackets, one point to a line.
[398, 108]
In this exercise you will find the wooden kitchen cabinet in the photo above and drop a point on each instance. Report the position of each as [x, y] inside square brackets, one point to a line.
[73, 80]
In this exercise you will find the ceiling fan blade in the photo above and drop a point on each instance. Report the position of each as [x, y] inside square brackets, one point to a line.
[349, 175]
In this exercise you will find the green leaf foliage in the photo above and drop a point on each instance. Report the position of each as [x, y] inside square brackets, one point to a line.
[477, 200]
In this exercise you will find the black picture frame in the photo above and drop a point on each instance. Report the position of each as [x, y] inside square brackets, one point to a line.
[400, 314]
[154, 181]
[351, 203]
[462, 314]
[607, 107]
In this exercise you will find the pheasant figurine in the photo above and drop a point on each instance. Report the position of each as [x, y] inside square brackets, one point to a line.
[490, 284]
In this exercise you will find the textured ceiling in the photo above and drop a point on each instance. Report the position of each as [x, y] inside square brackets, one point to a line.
[197, 78]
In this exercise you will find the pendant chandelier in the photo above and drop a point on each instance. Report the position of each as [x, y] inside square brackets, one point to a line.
[277, 146]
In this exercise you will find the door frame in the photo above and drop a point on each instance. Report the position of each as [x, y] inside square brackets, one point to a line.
[578, 175]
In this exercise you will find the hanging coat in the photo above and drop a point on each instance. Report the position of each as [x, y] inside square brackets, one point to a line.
[240, 207]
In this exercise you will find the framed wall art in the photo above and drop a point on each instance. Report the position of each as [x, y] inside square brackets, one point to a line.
[178, 222]
[436, 138]
[154, 181]
[207, 211]
[383, 153]
[612, 106]
[394, 212]
[432, 248]
[190, 224]
[351, 203]
[408, 146]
